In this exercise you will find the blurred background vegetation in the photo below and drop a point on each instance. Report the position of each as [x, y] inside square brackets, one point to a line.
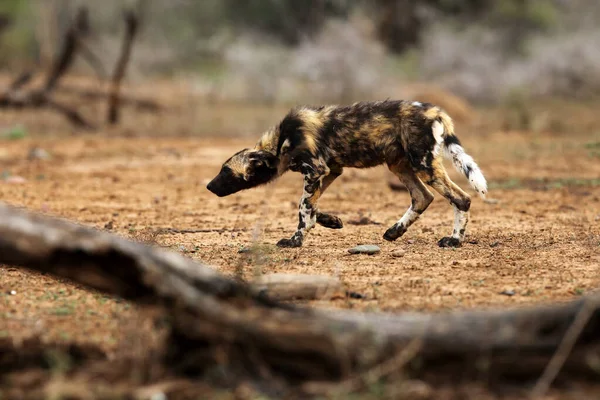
[486, 51]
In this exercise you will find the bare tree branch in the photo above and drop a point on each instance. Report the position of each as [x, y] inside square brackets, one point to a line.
[131, 28]
[93, 60]
[21, 80]
[96, 94]
[42, 97]
[68, 50]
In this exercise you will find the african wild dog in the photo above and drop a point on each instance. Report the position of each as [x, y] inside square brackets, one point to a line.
[320, 141]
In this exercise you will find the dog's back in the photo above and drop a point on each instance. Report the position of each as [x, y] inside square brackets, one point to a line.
[364, 134]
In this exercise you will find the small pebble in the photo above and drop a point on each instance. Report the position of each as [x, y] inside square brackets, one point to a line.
[508, 292]
[398, 253]
[365, 249]
[410, 241]
[494, 244]
[13, 292]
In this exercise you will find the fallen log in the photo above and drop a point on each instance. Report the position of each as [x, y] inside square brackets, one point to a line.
[221, 324]
[284, 287]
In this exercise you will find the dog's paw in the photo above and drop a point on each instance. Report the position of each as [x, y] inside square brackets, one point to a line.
[329, 221]
[394, 233]
[449, 242]
[290, 243]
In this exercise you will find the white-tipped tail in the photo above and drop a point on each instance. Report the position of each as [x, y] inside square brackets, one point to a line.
[465, 164]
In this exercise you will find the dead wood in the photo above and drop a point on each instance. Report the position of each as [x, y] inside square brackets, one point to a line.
[41, 98]
[161, 231]
[285, 287]
[97, 94]
[32, 353]
[131, 28]
[217, 321]
[21, 80]
[68, 50]
[93, 60]
[73, 45]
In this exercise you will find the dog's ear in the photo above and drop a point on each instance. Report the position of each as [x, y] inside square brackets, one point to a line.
[263, 158]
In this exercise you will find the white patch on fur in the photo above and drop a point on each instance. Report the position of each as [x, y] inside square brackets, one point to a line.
[309, 220]
[285, 146]
[417, 103]
[463, 163]
[438, 131]
[461, 219]
[408, 218]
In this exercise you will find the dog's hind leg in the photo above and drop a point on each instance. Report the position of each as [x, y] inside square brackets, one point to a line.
[328, 220]
[421, 197]
[438, 179]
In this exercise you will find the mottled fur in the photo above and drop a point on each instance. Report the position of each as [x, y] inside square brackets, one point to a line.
[409, 137]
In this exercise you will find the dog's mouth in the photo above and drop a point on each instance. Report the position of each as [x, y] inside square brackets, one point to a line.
[217, 189]
[224, 188]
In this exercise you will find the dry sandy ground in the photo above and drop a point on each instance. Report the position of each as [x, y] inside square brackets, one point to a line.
[540, 241]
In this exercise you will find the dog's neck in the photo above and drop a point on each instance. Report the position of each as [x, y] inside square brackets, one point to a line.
[268, 141]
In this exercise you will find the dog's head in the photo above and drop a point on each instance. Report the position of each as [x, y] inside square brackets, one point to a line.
[244, 170]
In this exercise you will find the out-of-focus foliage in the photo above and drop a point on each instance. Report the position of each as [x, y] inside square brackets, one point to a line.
[402, 23]
[276, 49]
[16, 37]
[289, 20]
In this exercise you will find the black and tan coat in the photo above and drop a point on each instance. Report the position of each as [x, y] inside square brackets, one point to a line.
[411, 138]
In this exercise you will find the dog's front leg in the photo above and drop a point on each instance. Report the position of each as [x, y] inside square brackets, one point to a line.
[307, 214]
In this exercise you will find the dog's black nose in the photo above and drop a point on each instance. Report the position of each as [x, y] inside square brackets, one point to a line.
[211, 186]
